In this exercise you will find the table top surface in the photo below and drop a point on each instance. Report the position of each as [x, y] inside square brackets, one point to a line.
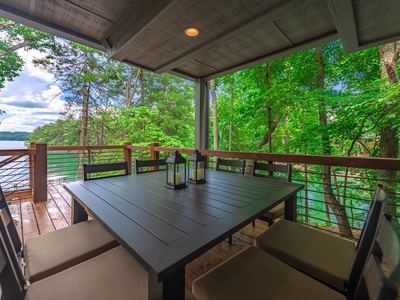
[165, 229]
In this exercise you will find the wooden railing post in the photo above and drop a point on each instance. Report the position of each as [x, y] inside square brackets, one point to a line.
[31, 169]
[154, 154]
[128, 156]
[40, 173]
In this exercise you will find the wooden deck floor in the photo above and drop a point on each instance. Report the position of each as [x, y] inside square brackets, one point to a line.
[33, 219]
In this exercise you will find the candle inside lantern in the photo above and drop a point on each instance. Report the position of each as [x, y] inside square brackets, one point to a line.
[196, 174]
[177, 178]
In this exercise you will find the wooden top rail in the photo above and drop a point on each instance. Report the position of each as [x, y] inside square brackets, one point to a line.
[70, 148]
[6, 152]
[377, 163]
[342, 161]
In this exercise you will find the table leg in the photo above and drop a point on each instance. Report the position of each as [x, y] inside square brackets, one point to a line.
[172, 288]
[79, 214]
[291, 208]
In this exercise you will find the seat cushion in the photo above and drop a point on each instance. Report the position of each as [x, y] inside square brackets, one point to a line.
[111, 275]
[254, 274]
[321, 255]
[53, 252]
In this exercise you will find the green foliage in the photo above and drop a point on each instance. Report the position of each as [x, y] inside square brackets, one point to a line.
[63, 132]
[13, 136]
[14, 36]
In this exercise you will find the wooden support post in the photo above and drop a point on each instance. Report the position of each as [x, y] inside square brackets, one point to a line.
[89, 154]
[128, 156]
[154, 154]
[40, 173]
[202, 116]
[31, 169]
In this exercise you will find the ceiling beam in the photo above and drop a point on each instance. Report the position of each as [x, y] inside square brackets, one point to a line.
[278, 54]
[343, 16]
[225, 37]
[31, 21]
[135, 21]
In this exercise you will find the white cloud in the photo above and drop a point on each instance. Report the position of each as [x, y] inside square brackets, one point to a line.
[32, 99]
[31, 69]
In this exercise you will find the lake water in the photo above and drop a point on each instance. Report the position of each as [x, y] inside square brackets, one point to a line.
[14, 176]
[12, 145]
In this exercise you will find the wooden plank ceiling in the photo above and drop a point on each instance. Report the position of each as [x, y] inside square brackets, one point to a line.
[234, 34]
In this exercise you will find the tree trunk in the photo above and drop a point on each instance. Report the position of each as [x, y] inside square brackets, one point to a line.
[215, 118]
[129, 91]
[286, 136]
[270, 124]
[389, 144]
[329, 197]
[231, 120]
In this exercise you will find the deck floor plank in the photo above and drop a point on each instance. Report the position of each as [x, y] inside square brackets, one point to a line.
[32, 219]
[15, 211]
[58, 214]
[30, 227]
[44, 222]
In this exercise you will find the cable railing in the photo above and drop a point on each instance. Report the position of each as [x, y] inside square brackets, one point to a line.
[341, 209]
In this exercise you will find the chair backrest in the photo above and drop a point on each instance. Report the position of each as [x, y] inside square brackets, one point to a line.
[101, 168]
[12, 230]
[230, 165]
[269, 170]
[381, 276]
[144, 166]
[368, 234]
[11, 278]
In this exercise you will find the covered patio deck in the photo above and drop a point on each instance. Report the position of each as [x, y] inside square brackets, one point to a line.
[33, 219]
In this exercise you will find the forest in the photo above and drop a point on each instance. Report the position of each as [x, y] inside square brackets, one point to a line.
[13, 136]
[319, 101]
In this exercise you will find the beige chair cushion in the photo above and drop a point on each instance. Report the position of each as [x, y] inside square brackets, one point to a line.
[111, 275]
[254, 274]
[321, 255]
[53, 252]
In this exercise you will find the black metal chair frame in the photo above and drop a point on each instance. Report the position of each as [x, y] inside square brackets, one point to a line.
[14, 237]
[142, 166]
[271, 169]
[108, 167]
[241, 164]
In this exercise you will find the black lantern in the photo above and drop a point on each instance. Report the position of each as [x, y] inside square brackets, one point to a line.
[176, 171]
[197, 168]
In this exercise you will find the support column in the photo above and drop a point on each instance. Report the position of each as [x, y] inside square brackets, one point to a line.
[128, 156]
[40, 173]
[202, 116]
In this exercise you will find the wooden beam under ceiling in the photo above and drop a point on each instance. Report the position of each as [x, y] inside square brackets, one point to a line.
[134, 22]
[31, 21]
[343, 16]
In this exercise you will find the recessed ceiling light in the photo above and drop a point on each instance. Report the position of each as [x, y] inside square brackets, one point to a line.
[192, 31]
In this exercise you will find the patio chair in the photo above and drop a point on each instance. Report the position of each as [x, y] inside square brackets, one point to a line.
[332, 260]
[272, 279]
[110, 168]
[111, 275]
[56, 251]
[269, 170]
[232, 166]
[144, 166]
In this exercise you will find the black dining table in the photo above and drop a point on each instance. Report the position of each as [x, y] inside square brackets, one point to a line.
[165, 229]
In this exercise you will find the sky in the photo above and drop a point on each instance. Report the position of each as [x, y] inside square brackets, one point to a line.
[32, 99]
